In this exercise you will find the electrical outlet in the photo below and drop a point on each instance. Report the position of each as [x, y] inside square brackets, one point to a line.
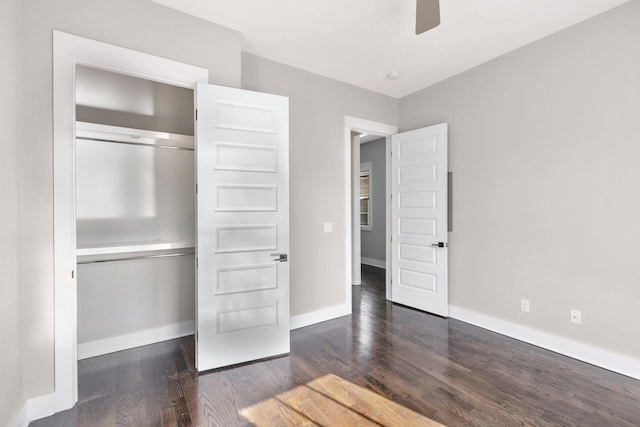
[575, 316]
[524, 305]
[328, 227]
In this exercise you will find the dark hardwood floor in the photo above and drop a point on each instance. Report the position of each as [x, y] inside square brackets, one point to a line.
[384, 365]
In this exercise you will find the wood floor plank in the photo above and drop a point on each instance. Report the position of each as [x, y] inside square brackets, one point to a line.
[218, 400]
[384, 365]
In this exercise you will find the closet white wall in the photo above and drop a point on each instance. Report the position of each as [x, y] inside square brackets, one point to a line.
[134, 201]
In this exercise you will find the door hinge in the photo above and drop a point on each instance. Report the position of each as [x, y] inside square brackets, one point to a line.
[196, 188]
[73, 274]
[196, 335]
[196, 114]
[196, 262]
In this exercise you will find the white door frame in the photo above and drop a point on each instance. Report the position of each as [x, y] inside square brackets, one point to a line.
[352, 209]
[69, 51]
[356, 246]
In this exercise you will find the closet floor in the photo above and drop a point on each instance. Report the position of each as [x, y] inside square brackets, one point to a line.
[384, 365]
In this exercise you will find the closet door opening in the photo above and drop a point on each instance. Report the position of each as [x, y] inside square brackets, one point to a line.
[112, 247]
[135, 211]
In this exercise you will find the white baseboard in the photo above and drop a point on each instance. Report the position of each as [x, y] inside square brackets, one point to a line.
[40, 407]
[136, 339]
[330, 313]
[373, 262]
[597, 356]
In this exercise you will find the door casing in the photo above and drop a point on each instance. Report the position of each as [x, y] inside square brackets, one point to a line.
[352, 211]
[69, 51]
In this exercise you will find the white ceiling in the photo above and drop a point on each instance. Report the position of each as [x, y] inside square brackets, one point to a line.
[361, 41]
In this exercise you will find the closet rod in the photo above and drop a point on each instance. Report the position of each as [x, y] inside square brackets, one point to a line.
[169, 147]
[137, 257]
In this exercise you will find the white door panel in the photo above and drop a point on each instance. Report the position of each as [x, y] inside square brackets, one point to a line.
[419, 219]
[243, 219]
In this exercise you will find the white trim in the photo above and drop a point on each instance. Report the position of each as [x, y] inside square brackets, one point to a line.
[387, 237]
[356, 245]
[307, 319]
[131, 62]
[69, 51]
[362, 126]
[602, 358]
[40, 407]
[373, 262]
[136, 339]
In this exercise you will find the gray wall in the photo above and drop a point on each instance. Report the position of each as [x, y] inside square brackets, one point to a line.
[317, 176]
[11, 356]
[121, 298]
[373, 241]
[545, 150]
[135, 24]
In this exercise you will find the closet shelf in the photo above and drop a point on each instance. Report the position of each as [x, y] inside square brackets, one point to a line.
[106, 133]
[124, 248]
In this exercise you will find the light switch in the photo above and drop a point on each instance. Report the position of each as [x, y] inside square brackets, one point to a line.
[328, 227]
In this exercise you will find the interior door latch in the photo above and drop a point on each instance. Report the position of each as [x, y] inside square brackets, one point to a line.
[439, 245]
[281, 257]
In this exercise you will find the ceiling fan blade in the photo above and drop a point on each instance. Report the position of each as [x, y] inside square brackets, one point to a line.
[427, 15]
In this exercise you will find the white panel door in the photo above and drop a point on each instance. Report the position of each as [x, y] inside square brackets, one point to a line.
[419, 219]
[242, 164]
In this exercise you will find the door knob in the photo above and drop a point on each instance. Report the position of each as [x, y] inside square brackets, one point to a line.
[281, 257]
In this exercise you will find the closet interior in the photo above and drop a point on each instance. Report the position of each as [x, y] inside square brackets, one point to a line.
[135, 211]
